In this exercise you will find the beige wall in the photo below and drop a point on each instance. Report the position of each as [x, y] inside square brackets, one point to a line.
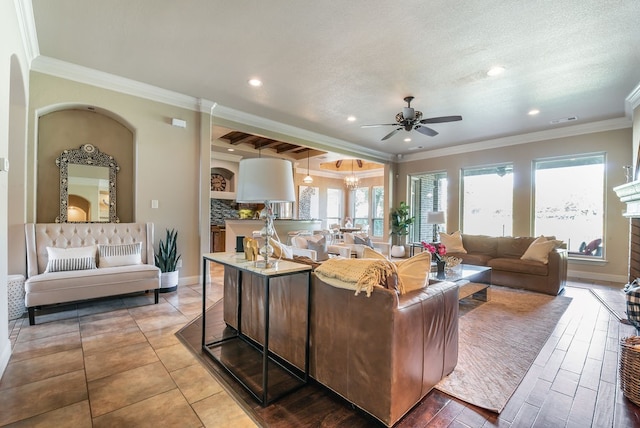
[167, 158]
[322, 183]
[636, 142]
[618, 147]
[69, 129]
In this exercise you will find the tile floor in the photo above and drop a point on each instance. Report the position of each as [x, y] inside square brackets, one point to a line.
[114, 363]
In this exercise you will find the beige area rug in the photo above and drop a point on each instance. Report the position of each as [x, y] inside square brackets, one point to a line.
[499, 340]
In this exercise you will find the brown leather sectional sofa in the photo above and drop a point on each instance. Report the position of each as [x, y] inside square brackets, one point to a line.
[503, 254]
[382, 353]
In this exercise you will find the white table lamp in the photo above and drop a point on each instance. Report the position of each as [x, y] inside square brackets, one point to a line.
[436, 218]
[265, 180]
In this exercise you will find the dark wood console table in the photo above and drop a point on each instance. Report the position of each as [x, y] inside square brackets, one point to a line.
[233, 351]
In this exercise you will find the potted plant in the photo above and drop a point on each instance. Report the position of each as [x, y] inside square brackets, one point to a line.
[167, 260]
[400, 222]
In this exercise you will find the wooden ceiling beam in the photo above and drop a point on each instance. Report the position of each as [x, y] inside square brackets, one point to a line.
[286, 148]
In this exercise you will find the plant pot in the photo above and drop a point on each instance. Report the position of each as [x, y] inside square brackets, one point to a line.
[397, 251]
[168, 281]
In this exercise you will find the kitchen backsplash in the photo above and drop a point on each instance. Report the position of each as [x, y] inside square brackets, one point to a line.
[222, 209]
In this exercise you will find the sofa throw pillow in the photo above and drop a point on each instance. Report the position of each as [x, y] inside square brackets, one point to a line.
[452, 242]
[362, 241]
[119, 255]
[320, 247]
[75, 258]
[539, 250]
[413, 273]
[280, 250]
[299, 242]
[370, 253]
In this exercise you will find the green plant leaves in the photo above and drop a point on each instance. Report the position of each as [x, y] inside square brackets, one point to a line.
[167, 256]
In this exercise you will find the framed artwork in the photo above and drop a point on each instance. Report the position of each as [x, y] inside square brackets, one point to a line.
[308, 202]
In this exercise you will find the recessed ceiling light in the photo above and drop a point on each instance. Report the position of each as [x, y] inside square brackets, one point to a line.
[495, 71]
[231, 150]
[533, 112]
[406, 140]
[351, 118]
[255, 82]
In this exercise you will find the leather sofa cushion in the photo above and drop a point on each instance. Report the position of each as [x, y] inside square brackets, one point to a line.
[472, 259]
[520, 266]
[513, 247]
[480, 244]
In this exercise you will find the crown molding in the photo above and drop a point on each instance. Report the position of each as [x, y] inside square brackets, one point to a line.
[89, 76]
[549, 134]
[321, 141]
[27, 25]
[632, 101]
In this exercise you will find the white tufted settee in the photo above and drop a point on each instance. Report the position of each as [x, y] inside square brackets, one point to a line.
[43, 287]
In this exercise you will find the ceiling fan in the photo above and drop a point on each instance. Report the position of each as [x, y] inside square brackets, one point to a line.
[409, 118]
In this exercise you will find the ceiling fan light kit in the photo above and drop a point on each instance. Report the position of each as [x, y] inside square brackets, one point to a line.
[409, 119]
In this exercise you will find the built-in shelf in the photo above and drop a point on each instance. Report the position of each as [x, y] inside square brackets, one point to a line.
[223, 195]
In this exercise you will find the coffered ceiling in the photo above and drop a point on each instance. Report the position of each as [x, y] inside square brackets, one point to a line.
[573, 60]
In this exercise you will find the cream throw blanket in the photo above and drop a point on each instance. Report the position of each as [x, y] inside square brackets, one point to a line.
[356, 274]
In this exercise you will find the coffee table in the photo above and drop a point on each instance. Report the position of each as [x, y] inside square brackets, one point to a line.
[473, 281]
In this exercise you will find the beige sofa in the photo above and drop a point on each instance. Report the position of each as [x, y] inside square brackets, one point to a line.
[383, 353]
[46, 288]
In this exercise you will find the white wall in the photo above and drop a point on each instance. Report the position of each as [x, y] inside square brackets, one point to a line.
[14, 86]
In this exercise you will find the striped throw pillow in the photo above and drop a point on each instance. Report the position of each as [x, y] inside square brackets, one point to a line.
[75, 258]
[119, 255]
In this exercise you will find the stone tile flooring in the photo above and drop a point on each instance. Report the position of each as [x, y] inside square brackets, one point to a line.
[114, 363]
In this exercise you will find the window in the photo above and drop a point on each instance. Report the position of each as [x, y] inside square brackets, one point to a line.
[377, 216]
[487, 200]
[361, 207]
[429, 193]
[334, 207]
[569, 202]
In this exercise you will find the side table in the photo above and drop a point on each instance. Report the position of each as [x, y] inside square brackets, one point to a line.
[15, 296]
[257, 384]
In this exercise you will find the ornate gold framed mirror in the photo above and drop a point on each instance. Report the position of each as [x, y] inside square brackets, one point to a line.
[87, 186]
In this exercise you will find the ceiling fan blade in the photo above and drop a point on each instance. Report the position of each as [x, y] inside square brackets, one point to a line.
[380, 124]
[391, 134]
[426, 131]
[442, 119]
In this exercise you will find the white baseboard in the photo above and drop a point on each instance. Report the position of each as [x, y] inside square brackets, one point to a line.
[189, 280]
[5, 355]
[591, 276]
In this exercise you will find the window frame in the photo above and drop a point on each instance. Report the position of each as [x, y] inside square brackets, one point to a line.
[505, 165]
[536, 230]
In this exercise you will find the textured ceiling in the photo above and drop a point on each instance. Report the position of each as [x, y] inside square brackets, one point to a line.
[321, 63]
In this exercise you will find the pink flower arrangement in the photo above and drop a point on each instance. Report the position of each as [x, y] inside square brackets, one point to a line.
[438, 251]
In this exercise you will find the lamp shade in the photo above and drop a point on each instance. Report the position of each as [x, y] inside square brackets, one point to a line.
[435, 217]
[265, 179]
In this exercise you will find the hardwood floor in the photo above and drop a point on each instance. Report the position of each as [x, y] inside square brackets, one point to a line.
[573, 382]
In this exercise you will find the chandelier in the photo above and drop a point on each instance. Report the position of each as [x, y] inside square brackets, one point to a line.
[351, 181]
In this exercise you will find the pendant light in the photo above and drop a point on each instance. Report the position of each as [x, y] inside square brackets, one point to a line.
[351, 181]
[308, 179]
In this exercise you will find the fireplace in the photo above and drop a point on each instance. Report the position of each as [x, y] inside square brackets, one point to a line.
[629, 193]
